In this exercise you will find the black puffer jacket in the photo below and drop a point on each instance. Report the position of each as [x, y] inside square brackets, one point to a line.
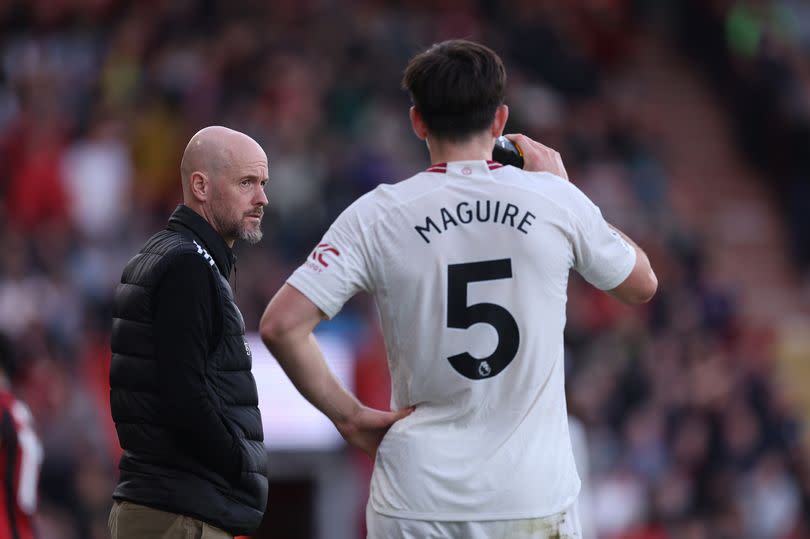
[183, 397]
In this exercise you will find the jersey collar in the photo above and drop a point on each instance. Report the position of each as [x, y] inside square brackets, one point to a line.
[441, 168]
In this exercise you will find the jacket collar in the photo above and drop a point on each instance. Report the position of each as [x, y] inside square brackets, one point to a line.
[185, 219]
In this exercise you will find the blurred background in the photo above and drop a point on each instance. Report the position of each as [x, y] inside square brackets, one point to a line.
[686, 121]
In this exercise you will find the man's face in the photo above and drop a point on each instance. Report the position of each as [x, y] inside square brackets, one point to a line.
[238, 199]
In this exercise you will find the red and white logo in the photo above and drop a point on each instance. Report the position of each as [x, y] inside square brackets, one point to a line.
[321, 250]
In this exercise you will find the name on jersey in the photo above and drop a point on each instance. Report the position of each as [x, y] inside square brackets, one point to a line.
[480, 211]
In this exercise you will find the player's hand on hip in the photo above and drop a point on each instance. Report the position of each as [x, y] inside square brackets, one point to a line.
[365, 430]
[538, 157]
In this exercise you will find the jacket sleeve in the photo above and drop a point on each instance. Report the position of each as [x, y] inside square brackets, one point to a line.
[186, 332]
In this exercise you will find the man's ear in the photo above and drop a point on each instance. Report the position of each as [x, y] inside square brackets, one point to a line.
[200, 186]
[418, 124]
[499, 122]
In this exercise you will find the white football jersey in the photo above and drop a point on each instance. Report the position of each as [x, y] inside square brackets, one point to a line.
[468, 263]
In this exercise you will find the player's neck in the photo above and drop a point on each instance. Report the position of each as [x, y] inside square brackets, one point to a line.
[478, 148]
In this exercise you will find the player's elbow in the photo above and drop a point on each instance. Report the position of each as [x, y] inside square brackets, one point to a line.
[288, 320]
[648, 288]
[273, 328]
[638, 288]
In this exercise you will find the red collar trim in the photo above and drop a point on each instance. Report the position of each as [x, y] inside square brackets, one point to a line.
[441, 168]
[438, 167]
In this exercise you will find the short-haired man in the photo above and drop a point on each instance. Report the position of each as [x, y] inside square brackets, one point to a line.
[468, 262]
[183, 397]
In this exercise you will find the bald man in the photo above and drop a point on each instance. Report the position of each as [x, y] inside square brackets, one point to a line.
[182, 394]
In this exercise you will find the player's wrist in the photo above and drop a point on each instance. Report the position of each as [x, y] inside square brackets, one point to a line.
[346, 420]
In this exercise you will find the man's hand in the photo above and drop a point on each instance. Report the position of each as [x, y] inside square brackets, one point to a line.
[538, 157]
[366, 428]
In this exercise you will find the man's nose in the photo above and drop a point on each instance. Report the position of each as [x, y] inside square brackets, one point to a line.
[261, 197]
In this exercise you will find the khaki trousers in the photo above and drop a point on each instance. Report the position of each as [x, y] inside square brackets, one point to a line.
[133, 521]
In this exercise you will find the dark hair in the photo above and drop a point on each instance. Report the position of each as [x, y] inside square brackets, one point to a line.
[456, 86]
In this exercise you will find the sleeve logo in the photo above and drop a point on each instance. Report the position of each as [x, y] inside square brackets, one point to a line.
[321, 250]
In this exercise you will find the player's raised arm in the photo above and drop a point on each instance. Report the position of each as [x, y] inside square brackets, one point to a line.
[640, 286]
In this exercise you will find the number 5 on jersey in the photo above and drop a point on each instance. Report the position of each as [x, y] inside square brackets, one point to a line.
[462, 316]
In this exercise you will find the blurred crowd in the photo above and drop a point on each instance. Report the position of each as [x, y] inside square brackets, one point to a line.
[689, 437]
[757, 55]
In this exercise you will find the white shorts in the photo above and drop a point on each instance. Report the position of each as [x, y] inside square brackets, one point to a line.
[563, 525]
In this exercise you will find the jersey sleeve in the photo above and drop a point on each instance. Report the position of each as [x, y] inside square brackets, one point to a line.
[601, 255]
[338, 267]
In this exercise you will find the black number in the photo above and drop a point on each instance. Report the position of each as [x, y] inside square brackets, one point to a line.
[462, 316]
